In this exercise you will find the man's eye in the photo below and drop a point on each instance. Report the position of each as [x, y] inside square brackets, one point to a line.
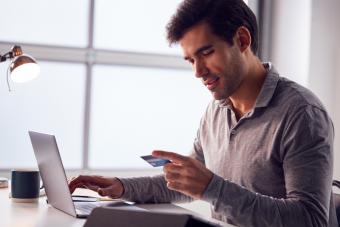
[191, 61]
[207, 52]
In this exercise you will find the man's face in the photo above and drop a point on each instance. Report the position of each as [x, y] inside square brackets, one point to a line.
[217, 63]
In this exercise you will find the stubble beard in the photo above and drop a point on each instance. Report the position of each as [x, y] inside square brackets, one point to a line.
[230, 79]
[230, 83]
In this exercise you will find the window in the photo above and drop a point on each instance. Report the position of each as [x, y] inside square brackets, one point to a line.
[62, 22]
[137, 26]
[136, 110]
[109, 86]
[52, 103]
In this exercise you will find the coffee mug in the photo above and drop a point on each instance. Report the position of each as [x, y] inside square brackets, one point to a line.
[25, 186]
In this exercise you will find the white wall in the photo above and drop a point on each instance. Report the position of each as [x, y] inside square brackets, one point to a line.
[324, 70]
[336, 117]
[291, 26]
[305, 49]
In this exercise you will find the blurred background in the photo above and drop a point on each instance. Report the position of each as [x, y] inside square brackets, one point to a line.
[111, 89]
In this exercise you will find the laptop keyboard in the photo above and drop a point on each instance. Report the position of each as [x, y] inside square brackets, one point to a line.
[85, 208]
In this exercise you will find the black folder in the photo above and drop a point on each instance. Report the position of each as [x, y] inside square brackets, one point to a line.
[108, 216]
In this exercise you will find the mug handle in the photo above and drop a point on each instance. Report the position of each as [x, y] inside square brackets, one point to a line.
[42, 190]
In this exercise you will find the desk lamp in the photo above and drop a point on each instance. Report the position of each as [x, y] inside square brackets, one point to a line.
[22, 68]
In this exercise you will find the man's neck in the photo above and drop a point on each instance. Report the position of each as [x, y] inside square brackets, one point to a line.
[244, 98]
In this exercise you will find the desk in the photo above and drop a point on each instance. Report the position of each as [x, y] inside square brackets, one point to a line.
[41, 214]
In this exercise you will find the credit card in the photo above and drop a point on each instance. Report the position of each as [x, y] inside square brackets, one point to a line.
[154, 161]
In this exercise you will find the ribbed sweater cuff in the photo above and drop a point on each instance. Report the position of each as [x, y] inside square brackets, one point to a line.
[213, 192]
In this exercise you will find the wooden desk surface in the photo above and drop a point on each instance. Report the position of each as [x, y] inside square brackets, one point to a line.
[41, 214]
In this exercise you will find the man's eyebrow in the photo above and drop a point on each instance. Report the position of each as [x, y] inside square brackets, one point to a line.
[203, 48]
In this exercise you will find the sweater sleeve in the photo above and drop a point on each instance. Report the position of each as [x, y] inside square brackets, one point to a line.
[151, 190]
[307, 164]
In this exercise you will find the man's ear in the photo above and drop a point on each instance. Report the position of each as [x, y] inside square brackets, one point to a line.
[242, 38]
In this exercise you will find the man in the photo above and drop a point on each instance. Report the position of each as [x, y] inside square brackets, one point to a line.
[263, 154]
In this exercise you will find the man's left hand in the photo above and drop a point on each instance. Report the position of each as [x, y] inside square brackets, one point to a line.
[185, 174]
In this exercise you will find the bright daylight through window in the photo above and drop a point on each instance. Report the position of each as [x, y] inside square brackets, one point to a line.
[110, 86]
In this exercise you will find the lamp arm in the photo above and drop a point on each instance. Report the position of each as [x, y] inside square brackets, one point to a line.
[15, 51]
[8, 84]
[3, 58]
[6, 56]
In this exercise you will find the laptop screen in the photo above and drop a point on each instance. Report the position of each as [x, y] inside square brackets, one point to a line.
[52, 171]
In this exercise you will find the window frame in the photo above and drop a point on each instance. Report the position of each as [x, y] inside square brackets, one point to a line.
[91, 56]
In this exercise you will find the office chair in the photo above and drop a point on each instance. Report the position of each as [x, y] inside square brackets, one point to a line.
[336, 199]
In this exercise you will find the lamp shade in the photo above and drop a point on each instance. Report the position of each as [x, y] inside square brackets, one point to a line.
[23, 68]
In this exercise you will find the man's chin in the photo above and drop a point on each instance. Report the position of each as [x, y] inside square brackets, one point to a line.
[218, 96]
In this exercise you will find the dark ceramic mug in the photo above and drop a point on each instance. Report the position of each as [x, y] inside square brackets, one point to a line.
[25, 185]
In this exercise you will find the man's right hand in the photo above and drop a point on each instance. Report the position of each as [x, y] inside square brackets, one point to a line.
[104, 186]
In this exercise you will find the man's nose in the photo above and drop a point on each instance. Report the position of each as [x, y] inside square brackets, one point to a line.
[200, 69]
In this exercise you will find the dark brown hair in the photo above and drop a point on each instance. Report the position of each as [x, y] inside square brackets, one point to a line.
[223, 16]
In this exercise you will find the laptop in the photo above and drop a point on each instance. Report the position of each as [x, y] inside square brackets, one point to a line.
[54, 178]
